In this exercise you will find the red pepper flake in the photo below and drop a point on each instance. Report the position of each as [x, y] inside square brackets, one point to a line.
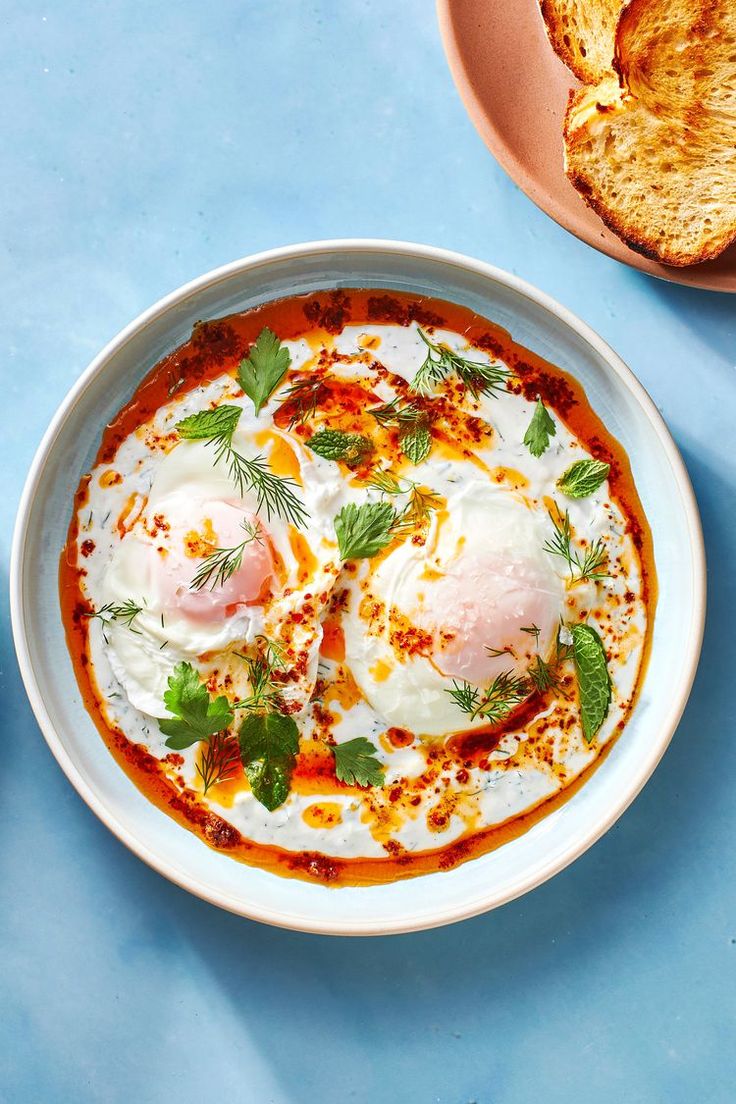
[87, 547]
[332, 315]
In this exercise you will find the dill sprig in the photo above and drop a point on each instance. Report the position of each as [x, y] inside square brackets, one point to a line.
[264, 689]
[124, 612]
[583, 565]
[543, 675]
[415, 437]
[385, 482]
[441, 361]
[221, 564]
[494, 653]
[302, 399]
[274, 493]
[419, 505]
[532, 630]
[494, 704]
[393, 413]
[218, 761]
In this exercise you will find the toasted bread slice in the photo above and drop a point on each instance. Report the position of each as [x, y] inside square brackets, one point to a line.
[678, 57]
[582, 33]
[656, 158]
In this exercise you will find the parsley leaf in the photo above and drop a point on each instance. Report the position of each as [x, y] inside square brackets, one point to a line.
[583, 478]
[197, 716]
[333, 444]
[594, 681]
[541, 429]
[264, 367]
[268, 746]
[415, 442]
[362, 531]
[356, 762]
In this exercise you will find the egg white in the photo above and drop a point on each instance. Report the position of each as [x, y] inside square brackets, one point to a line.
[411, 691]
[186, 480]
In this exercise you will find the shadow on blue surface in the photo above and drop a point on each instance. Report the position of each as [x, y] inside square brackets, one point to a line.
[710, 315]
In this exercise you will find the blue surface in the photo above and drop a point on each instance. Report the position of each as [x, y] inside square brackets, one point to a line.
[143, 144]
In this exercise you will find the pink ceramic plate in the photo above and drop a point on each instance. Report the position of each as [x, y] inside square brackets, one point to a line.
[515, 89]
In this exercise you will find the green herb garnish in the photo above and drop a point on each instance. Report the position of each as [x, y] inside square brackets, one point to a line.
[260, 373]
[333, 444]
[583, 478]
[269, 738]
[221, 564]
[419, 505]
[543, 675]
[441, 361]
[219, 759]
[396, 413]
[541, 429]
[196, 715]
[532, 630]
[415, 439]
[268, 746]
[362, 531]
[594, 681]
[356, 762]
[506, 691]
[302, 399]
[416, 442]
[274, 493]
[583, 566]
[264, 689]
[124, 612]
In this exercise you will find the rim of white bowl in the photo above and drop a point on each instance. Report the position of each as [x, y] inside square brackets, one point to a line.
[608, 817]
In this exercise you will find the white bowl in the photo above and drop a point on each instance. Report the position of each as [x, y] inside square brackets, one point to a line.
[67, 451]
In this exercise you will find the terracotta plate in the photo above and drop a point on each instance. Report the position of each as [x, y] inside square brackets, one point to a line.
[515, 89]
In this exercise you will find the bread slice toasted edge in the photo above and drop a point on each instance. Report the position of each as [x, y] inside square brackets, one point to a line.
[582, 34]
[592, 114]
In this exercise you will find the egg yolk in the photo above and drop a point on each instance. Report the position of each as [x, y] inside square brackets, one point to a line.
[481, 605]
[214, 526]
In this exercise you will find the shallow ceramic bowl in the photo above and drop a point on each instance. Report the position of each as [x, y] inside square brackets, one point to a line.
[69, 447]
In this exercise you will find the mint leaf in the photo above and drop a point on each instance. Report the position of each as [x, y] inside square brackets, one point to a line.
[264, 367]
[583, 478]
[415, 442]
[594, 681]
[362, 531]
[333, 444]
[268, 746]
[356, 762]
[197, 716]
[541, 429]
[217, 424]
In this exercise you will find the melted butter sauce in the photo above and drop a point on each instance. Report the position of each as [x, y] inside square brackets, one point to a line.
[218, 346]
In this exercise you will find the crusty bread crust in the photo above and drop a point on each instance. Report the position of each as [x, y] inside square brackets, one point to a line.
[653, 150]
[582, 34]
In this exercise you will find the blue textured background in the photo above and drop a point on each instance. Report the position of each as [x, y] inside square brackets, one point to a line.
[143, 143]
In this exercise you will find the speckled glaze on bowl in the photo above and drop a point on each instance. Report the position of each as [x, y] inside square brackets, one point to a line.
[67, 451]
[515, 90]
